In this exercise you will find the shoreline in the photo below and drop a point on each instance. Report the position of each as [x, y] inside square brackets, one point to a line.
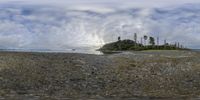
[94, 52]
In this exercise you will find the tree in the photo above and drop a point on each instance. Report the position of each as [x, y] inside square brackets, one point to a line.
[119, 45]
[119, 38]
[151, 41]
[145, 39]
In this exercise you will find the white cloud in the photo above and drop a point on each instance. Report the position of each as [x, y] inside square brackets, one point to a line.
[34, 26]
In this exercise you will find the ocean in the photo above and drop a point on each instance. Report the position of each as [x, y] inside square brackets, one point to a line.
[85, 50]
[197, 50]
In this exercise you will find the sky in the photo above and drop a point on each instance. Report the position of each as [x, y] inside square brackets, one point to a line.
[66, 24]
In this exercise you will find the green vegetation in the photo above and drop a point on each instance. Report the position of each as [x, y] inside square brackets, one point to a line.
[127, 44]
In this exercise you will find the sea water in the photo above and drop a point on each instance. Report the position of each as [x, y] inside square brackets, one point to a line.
[197, 50]
[84, 50]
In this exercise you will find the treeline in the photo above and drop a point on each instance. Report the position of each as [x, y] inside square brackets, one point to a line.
[146, 43]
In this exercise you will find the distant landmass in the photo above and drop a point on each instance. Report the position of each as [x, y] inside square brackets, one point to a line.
[124, 45]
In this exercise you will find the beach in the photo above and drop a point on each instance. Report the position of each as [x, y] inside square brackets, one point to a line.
[135, 74]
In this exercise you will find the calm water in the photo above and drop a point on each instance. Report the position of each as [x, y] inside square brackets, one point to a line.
[198, 50]
[85, 50]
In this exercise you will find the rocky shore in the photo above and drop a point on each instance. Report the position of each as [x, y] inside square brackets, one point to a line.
[141, 74]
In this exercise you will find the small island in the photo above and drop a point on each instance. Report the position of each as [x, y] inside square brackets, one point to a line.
[147, 43]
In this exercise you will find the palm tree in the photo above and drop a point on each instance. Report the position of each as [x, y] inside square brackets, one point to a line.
[145, 39]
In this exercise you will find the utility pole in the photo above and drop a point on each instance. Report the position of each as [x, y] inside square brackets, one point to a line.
[158, 41]
[175, 44]
[165, 42]
[178, 44]
[135, 37]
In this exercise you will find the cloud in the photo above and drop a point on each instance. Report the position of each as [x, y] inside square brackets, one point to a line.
[32, 26]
